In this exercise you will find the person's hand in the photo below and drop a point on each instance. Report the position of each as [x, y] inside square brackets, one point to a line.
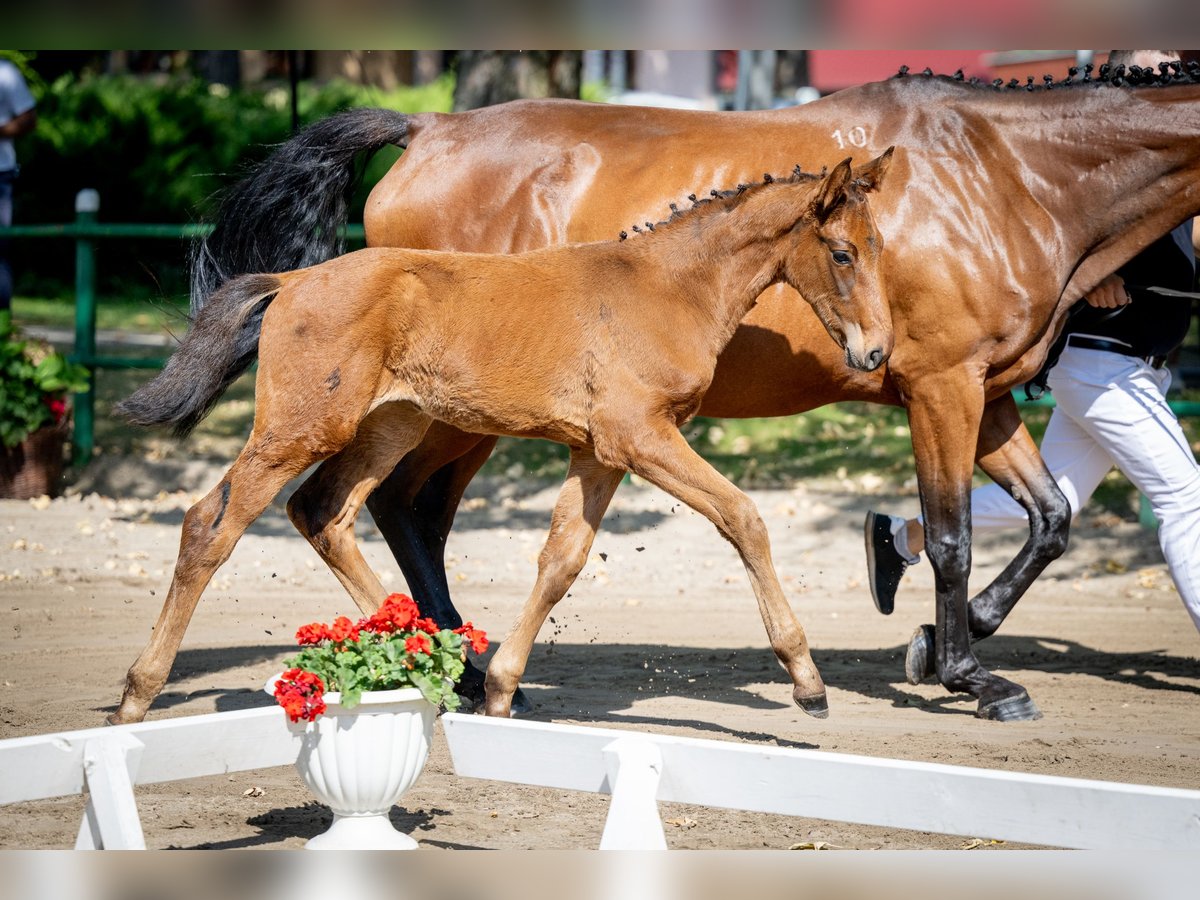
[1109, 293]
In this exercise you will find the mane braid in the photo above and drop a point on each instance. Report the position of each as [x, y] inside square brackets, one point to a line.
[1167, 73]
[717, 196]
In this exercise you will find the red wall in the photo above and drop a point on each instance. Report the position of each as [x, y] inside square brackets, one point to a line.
[832, 70]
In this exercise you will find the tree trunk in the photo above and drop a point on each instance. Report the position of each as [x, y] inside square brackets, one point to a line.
[487, 77]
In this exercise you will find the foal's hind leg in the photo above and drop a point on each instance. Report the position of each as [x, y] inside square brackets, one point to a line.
[326, 506]
[211, 528]
[581, 504]
[1009, 456]
[663, 457]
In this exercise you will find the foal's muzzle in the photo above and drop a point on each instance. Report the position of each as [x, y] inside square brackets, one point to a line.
[869, 361]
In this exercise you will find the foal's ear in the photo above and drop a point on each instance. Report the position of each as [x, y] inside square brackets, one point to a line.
[870, 176]
[832, 191]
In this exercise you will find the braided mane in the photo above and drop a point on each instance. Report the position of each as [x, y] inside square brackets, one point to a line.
[725, 199]
[1167, 73]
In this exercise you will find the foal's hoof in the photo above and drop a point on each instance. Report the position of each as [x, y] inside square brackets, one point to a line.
[816, 705]
[920, 662]
[521, 705]
[1017, 708]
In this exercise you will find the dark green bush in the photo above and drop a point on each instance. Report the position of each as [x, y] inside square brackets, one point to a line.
[157, 150]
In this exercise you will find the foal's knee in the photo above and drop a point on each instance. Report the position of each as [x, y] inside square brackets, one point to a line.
[742, 524]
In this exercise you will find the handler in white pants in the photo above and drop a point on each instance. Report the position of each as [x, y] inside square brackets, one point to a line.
[1111, 410]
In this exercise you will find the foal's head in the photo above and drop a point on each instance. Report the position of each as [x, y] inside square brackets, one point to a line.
[834, 263]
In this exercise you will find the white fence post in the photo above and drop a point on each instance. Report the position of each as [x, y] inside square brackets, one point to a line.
[634, 768]
[110, 821]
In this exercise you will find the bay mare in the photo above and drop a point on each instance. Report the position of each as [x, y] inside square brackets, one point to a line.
[607, 347]
[1015, 204]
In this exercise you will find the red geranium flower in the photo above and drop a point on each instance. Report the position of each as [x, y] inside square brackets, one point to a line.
[418, 643]
[396, 613]
[312, 634]
[343, 629]
[474, 636]
[301, 694]
[58, 406]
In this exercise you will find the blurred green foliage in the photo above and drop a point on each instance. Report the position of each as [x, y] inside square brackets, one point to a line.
[158, 149]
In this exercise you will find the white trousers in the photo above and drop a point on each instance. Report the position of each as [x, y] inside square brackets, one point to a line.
[1112, 410]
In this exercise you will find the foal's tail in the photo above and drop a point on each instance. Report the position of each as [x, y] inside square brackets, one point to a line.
[220, 346]
[288, 213]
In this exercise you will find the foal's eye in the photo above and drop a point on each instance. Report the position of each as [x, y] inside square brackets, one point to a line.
[842, 258]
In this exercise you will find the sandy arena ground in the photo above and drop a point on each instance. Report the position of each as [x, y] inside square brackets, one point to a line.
[661, 632]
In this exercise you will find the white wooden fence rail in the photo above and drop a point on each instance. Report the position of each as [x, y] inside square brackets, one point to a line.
[105, 763]
[638, 769]
[1034, 809]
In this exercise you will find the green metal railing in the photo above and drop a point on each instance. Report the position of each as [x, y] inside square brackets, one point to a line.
[85, 230]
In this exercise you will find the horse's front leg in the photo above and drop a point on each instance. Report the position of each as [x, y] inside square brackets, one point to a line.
[945, 410]
[1009, 456]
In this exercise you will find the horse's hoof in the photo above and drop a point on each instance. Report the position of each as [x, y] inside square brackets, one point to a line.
[1017, 708]
[816, 705]
[521, 705]
[920, 662]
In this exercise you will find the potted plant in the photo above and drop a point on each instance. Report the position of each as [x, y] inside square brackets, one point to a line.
[363, 696]
[34, 384]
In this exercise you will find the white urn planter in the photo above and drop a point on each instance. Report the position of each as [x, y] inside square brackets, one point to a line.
[360, 761]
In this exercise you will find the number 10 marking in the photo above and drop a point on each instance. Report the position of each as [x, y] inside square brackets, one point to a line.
[856, 137]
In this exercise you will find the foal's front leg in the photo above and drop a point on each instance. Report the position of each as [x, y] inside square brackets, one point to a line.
[581, 504]
[663, 458]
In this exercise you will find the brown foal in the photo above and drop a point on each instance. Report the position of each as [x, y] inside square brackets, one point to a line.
[606, 347]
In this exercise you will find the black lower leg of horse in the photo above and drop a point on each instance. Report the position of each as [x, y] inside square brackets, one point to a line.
[1016, 465]
[414, 511]
[1009, 456]
[944, 463]
[414, 508]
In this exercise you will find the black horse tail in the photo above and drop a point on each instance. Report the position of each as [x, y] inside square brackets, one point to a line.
[288, 213]
[220, 346]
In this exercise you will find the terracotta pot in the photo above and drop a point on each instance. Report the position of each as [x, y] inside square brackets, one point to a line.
[35, 466]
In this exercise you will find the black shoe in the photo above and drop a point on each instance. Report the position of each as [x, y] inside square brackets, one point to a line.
[885, 565]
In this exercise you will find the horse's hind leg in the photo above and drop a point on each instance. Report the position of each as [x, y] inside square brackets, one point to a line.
[414, 509]
[1007, 453]
[663, 457]
[581, 504]
[211, 528]
[326, 506]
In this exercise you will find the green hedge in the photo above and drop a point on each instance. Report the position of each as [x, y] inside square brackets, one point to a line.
[157, 150]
